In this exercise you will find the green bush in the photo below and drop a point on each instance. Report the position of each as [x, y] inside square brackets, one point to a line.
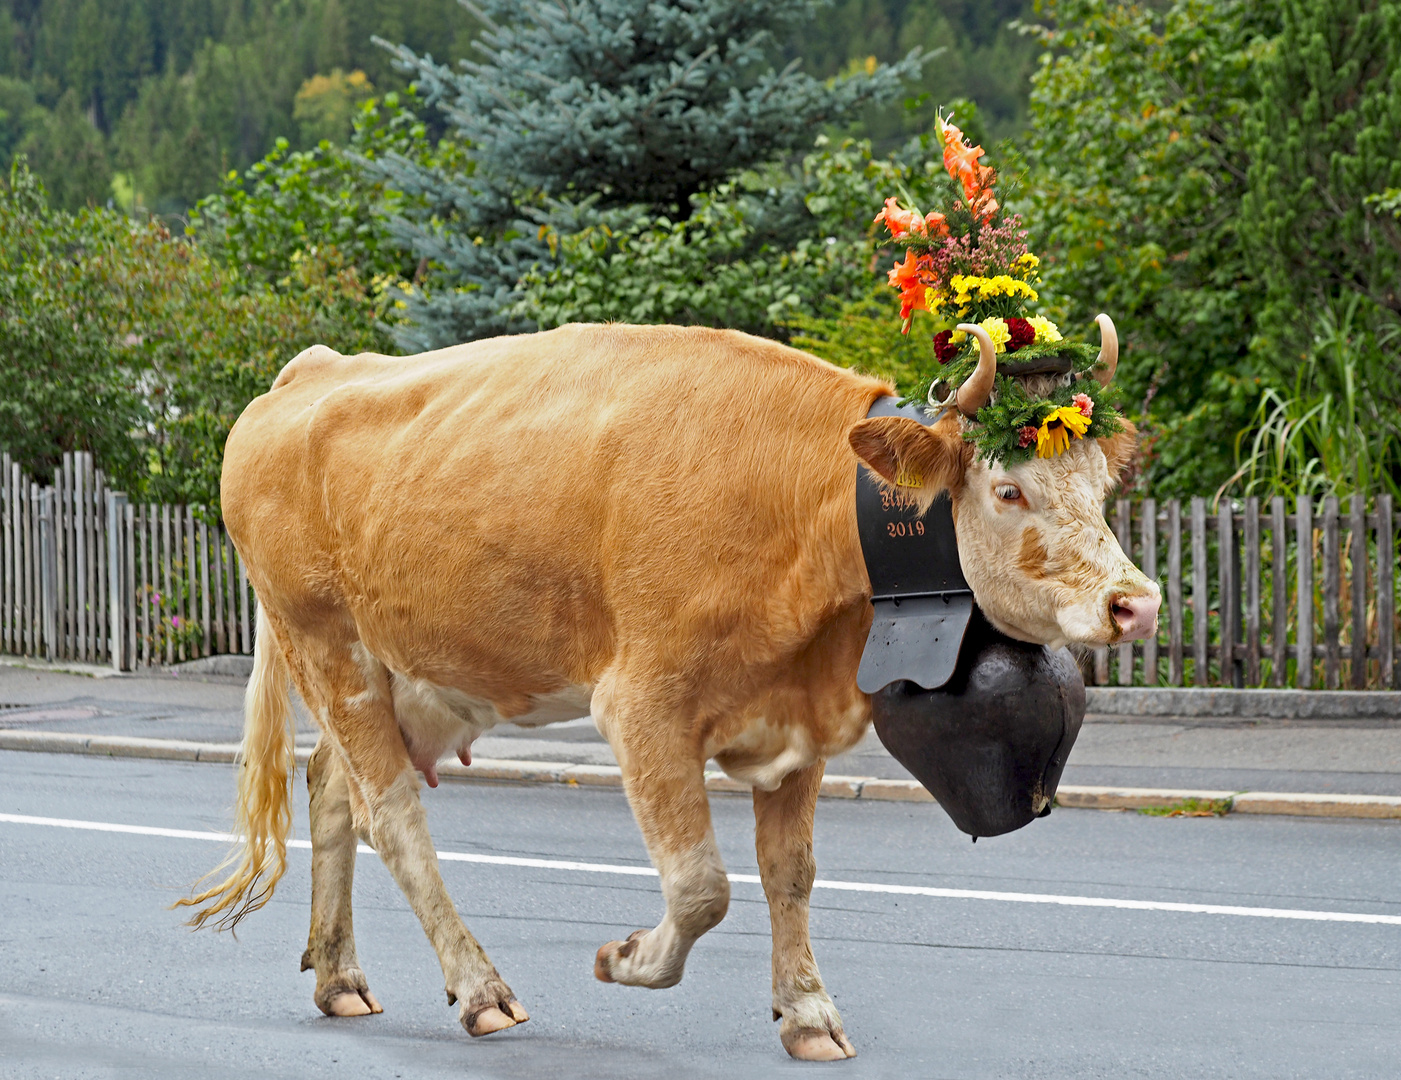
[762, 253]
[1137, 169]
[126, 341]
[294, 203]
[1323, 135]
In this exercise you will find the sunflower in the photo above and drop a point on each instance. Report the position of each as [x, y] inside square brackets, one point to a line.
[1054, 435]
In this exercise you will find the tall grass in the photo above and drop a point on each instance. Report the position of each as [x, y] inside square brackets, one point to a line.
[1338, 430]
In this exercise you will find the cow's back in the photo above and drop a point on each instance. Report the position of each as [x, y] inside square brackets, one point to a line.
[524, 504]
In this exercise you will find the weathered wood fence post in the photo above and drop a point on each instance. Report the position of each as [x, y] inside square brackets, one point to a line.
[48, 578]
[119, 584]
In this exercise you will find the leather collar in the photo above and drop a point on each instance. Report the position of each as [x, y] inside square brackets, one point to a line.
[922, 602]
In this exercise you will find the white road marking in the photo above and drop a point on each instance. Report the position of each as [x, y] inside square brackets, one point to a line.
[753, 879]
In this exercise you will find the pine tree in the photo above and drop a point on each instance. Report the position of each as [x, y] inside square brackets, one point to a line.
[600, 103]
[1323, 137]
[69, 154]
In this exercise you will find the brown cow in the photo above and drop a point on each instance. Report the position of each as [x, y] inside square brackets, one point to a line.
[653, 524]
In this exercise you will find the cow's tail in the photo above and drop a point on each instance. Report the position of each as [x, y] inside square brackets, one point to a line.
[263, 813]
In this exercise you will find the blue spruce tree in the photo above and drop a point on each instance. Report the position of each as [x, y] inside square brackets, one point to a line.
[579, 105]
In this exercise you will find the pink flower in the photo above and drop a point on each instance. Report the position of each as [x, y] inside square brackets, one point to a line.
[1026, 436]
[1084, 404]
[175, 621]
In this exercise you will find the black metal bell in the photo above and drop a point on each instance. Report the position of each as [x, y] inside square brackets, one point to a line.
[991, 743]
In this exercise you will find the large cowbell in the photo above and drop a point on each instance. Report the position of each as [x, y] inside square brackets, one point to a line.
[983, 721]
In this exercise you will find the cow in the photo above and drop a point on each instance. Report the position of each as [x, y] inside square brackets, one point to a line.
[652, 525]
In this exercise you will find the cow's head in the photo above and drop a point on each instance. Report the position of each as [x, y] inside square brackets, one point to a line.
[1032, 539]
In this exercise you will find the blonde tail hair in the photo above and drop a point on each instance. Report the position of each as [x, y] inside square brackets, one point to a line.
[263, 812]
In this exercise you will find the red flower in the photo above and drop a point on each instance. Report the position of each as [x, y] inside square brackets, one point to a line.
[944, 349]
[1026, 436]
[1022, 333]
[1084, 403]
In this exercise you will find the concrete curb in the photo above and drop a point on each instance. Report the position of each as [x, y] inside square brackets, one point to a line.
[63, 667]
[226, 664]
[1126, 798]
[870, 789]
[1149, 703]
[1212, 702]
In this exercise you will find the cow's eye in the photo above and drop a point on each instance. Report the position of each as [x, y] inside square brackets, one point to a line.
[1008, 492]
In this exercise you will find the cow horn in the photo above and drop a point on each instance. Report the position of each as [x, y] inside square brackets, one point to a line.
[975, 390]
[1108, 350]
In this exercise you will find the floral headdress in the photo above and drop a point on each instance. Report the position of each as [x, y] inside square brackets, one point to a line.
[970, 269]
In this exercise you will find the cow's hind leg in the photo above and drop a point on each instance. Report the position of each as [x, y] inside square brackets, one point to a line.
[341, 989]
[664, 776]
[349, 689]
[811, 1027]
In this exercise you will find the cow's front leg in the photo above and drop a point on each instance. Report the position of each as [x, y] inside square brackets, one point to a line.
[665, 783]
[341, 989]
[811, 1027]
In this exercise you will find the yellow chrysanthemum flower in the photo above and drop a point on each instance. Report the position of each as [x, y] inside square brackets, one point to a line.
[1046, 331]
[1054, 435]
[997, 330]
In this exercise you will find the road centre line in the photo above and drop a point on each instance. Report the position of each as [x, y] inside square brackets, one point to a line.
[753, 879]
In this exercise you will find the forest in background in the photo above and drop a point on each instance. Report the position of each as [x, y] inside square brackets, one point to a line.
[153, 102]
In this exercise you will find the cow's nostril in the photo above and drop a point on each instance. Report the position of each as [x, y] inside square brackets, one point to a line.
[1135, 616]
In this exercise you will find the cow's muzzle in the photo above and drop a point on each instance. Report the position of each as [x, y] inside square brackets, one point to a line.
[1136, 616]
[991, 743]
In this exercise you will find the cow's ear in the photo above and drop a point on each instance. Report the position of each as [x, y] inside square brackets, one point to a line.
[1119, 453]
[906, 454]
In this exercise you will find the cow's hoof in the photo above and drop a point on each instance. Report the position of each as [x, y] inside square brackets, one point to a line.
[817, 1044]
[615, 954]
[352, 1003]
[492, 1018]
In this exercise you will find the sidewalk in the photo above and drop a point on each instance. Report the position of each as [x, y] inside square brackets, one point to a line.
[1361, 758]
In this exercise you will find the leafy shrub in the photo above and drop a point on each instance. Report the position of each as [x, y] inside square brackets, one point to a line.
[761, 253]
[126, 341]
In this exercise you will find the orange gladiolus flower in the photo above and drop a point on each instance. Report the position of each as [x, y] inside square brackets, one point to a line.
[961, 161]
[959, 158]
[899, 221]
[902, 222]
[905, 277]
[935, 223]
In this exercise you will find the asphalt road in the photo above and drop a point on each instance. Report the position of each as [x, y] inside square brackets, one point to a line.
[99, 979]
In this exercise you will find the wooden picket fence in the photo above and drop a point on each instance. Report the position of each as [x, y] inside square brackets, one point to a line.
[93, 578]
[1263, 594]
[1254, 593]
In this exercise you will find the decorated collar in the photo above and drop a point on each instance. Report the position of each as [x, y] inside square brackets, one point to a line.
[921, 601]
